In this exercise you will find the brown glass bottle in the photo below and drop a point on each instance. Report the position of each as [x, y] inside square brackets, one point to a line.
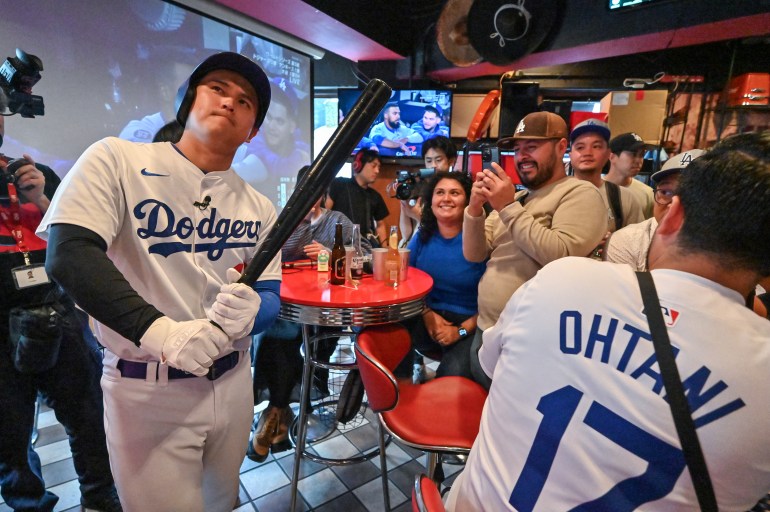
[337, 267]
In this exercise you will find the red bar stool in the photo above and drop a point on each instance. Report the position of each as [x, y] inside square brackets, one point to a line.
[441, 416]
[425, 495]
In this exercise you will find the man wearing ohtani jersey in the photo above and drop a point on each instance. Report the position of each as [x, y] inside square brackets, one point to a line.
[577, 417]
[147, 239]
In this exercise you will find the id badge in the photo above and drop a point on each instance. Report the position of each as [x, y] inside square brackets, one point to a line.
[30, 275]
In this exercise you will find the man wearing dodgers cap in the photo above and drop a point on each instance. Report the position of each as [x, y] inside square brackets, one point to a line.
[146, 238]
[630, 244]
[589, 154]
[626, 159]
[556, 216]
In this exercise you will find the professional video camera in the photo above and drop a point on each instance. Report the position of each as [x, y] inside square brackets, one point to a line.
[409, 184]
[17, 76]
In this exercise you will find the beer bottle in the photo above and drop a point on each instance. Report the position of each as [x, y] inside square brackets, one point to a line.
[337, 274]
[393, 259]
[357, 262]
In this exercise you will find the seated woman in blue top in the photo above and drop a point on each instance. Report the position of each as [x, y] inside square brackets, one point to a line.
[448, 322]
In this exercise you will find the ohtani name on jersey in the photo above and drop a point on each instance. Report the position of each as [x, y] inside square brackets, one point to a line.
[214, 235]
[612, 342]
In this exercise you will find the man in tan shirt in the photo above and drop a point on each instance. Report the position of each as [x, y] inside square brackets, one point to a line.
[626, 157]
[556, 216]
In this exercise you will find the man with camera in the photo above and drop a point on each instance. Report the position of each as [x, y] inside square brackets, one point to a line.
[43, 350]
[439, 154]
[556, 216]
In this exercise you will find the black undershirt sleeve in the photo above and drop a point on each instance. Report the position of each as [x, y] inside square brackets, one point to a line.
[77, 260]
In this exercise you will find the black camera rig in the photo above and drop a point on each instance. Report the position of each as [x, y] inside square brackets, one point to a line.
[408, 184]
[17, 76]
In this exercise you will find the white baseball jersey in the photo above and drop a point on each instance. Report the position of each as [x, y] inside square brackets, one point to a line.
[139, 199]
[576, 418]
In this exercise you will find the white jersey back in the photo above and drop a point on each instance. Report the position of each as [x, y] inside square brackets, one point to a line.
[576, 419]
[140, 199]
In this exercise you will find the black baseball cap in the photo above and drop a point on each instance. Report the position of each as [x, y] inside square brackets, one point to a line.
[627, 142]
[232, 62]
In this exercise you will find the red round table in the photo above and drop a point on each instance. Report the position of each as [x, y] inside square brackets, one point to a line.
[308, 299]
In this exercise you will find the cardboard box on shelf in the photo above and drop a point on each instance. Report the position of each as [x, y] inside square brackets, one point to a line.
[640, 111]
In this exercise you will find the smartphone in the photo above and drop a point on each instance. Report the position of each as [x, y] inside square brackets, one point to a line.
[490, 154]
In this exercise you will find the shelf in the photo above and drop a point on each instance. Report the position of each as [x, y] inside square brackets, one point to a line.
[740, 108]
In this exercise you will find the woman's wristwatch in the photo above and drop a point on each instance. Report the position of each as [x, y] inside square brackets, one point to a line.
[461, 330]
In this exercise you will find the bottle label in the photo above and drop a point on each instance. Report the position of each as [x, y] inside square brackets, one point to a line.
[339, 269]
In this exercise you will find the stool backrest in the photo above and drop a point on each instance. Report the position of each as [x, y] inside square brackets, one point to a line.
[379, 349]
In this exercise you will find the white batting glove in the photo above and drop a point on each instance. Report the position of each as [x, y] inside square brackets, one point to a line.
[236, 307]
[191, 346]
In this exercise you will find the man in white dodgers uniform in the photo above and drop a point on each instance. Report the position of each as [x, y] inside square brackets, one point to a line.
[146, 239]
[576, 417]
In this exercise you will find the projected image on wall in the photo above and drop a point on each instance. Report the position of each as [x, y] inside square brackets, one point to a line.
[114, 68]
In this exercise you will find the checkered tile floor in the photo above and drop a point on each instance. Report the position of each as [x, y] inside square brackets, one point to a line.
[266, 487]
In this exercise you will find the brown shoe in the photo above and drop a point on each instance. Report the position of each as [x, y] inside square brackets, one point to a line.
[259, 447]
[281, 439]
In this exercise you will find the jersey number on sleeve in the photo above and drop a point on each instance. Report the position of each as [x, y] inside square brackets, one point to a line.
[665, 462]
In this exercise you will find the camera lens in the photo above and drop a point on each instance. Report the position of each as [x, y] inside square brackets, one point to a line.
[404, 191]
[13, 166]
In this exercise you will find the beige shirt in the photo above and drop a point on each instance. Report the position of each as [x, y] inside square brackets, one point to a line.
[632, 210]
[644, 195]
[566, 218]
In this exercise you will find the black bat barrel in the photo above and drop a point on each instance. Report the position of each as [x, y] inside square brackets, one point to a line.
[322, 171]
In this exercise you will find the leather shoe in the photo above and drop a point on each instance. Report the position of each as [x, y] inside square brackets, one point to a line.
[267, 427]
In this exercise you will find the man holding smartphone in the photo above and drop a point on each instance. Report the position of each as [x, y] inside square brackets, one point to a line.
[556, 216]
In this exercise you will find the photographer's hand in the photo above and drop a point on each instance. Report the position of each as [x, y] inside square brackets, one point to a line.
[30, 183]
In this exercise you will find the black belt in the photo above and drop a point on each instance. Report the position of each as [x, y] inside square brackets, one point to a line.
[137, 370]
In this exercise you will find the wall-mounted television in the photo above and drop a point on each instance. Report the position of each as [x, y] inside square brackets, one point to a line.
[410, 117]
[622, 4]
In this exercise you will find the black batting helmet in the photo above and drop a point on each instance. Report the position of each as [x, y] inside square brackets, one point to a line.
[232, 62]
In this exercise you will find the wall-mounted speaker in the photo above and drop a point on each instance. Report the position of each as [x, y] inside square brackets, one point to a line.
[517, 99]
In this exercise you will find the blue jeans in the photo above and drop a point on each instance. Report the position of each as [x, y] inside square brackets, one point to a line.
[71, 388]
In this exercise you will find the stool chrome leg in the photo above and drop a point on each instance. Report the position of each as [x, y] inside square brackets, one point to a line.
[307, 372]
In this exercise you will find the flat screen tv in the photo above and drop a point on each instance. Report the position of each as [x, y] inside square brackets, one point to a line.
[410, 117]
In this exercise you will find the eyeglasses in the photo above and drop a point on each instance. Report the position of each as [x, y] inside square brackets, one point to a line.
[663, 196]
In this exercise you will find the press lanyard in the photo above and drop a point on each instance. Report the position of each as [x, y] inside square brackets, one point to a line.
[12, 220]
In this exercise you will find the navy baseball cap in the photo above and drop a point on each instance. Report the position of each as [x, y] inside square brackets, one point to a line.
[677, 164]
[590, 126]
[232, 62]
[627, 142]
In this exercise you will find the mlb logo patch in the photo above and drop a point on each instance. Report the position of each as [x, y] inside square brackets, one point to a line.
[521, 127]
[670, 316]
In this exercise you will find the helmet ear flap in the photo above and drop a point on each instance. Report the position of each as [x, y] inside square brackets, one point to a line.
[358, 162]
[185, 96]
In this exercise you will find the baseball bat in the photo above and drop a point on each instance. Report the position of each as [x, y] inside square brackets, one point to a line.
[322, 171]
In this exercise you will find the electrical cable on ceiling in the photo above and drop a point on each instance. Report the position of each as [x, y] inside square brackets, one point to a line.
[639, 83]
